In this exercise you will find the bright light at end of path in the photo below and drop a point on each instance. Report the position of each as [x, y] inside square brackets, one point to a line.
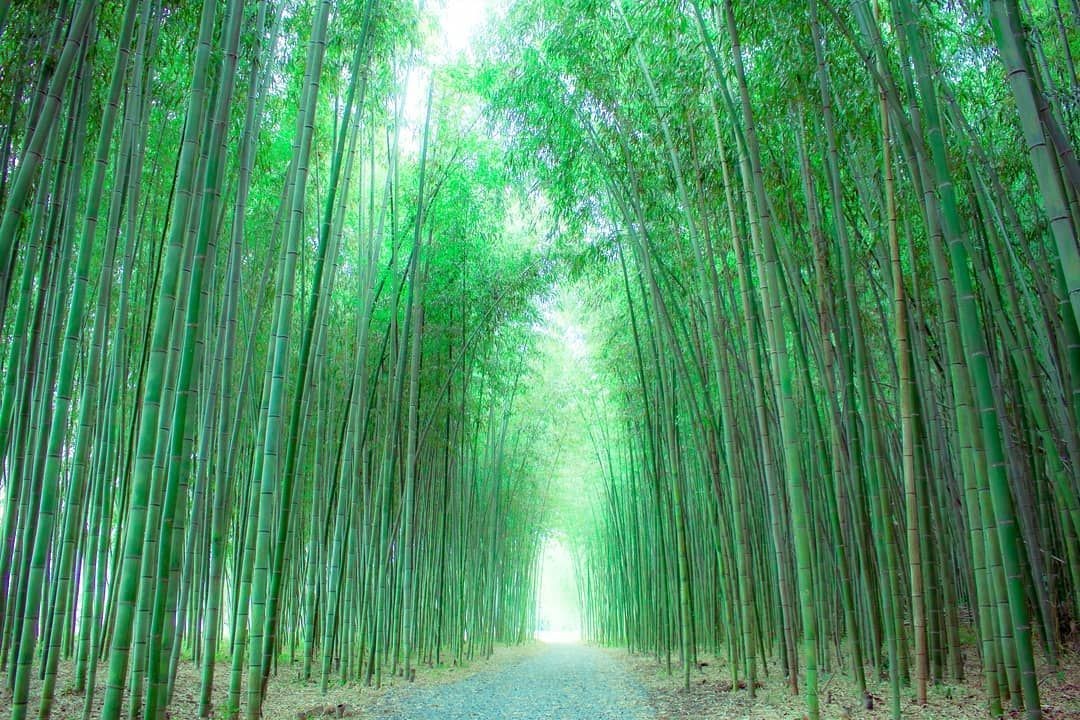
[558, 618]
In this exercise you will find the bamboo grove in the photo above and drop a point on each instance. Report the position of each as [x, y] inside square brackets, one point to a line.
[261, 341]
[834, 246]
[270, 284]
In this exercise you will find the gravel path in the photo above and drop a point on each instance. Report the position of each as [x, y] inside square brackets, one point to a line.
[562, 682]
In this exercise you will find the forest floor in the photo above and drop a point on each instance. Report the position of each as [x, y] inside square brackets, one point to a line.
[575, 682]
[288, 698]
[711, 697]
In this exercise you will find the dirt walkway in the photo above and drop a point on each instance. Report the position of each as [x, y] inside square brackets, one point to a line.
[561, 682]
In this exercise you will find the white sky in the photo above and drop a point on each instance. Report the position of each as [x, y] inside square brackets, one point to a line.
[459, 22]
